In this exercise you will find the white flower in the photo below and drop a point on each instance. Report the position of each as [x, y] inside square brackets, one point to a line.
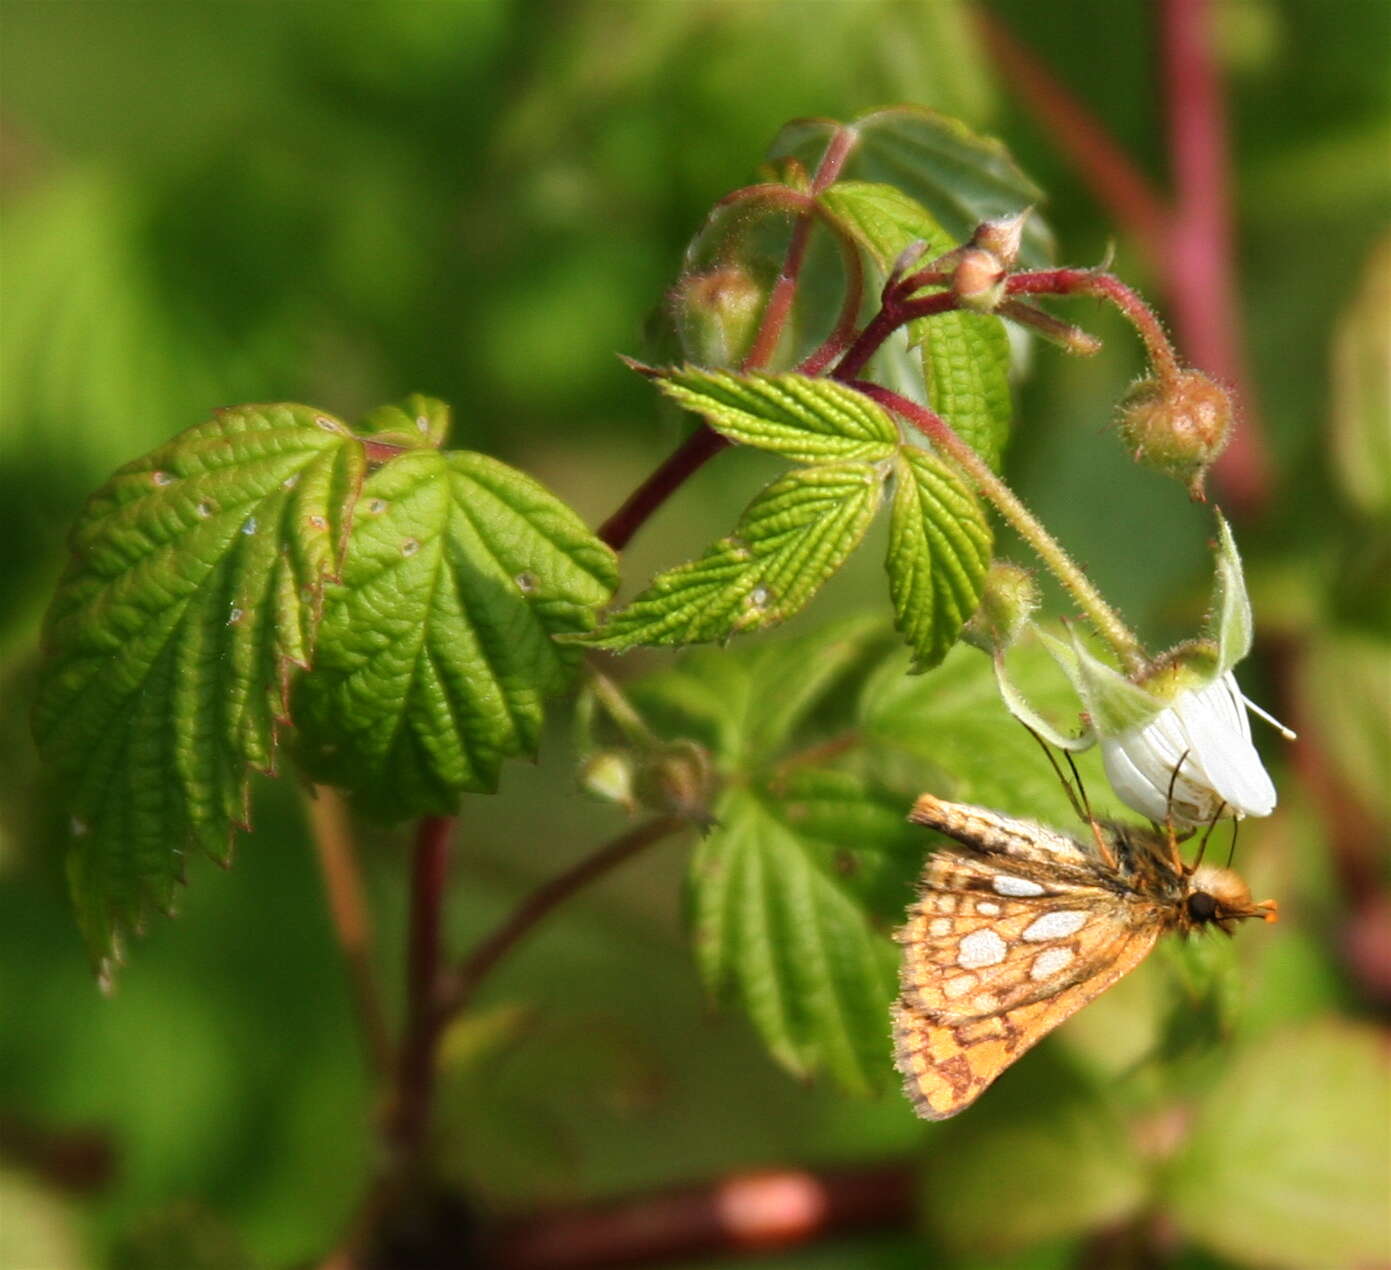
[1200, 746]
[1175, 739]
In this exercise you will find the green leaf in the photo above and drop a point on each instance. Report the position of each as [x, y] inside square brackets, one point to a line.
[777, 929]
[744, 703]
[416, 422]
[1308, 1106]
[794, 535]
[1230, 621]
[1041, 1157]
[965, 356]
[939, 551]
[436, 650]
[965, 745]
[962, 178]
[194, 588]
[808, 420]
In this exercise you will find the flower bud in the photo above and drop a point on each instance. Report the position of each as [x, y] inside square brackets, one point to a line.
[1177, 426]
[1001, 237]
[979, 280]
[677, 778]
[608, 775]
[1008, 599]
[717, 314]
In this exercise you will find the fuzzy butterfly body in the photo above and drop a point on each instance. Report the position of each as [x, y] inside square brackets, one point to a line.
[1021, 929]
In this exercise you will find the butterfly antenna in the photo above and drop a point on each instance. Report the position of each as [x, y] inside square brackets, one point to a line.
[1211, 825]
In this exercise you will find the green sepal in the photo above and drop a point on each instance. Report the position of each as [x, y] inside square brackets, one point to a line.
[436, 651]
[939, 551]
[194, 589]
[1113, 704]
[1230, 623]
[794, 535]
[805, 419]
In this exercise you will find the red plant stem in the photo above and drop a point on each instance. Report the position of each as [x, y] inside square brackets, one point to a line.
[1126, 193]
[683, 463]
[704, 443]
[1198, 266]
[457, 990]
[891, 316]
[1104, 286]
[746, 1213]
[407, 1118]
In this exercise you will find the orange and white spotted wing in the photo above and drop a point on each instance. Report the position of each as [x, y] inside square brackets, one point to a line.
[1002, 946]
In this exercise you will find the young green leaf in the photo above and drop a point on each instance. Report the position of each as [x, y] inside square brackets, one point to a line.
[965, 356]
[939, 550]
[777, 929]
[961, 177]
[790, 539]
[808, 420]
[194, 588]
[436, 652]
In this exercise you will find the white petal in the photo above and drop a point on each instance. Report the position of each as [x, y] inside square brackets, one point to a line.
[1220, 733]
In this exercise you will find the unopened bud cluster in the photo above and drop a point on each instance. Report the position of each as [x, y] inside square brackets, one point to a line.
[982, 266]
[717, 314]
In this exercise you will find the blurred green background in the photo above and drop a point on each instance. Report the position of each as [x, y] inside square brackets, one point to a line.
[206, 204]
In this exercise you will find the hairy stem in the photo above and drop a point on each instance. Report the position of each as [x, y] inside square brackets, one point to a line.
[459, 987]
[1105, 286]
[352, 924]
[1106, 620]
[892, 314]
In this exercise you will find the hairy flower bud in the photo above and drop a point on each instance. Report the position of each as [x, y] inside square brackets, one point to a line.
[717, 314]
[1008, 600]
[1001, 237]
[978, 280]
[1177, 426]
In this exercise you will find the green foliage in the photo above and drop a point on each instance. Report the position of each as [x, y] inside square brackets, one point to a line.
[195, 586]
[436, 652]
[1280, 1170]
[804, 419]
[965, 356]
[959, 176]
[939, 551]
[794, 535]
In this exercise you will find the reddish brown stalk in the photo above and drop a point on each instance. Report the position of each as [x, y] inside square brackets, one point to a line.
[1104, 286]
[1198, 272]
[1128, 196]
[458, 988]
[743, 1214]
[703, 444]
[893, 314]
[352, 924]
[409, 1113]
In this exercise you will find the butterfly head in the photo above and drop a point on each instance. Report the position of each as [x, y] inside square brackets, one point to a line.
[1218, 897]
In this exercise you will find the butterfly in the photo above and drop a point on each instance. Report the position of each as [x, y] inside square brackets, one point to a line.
[1020, 927]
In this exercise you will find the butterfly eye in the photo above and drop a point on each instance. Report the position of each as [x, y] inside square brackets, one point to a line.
[1202, 907]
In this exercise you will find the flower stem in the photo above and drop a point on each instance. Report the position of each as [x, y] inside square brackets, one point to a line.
[1106, 620]
[1105, 286]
